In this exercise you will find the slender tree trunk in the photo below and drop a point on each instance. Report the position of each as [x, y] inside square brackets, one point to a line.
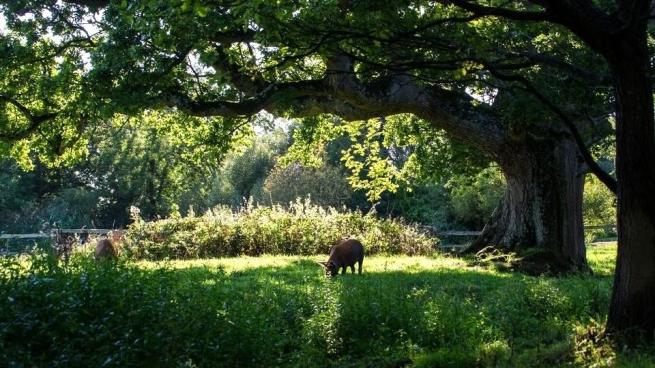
[633, 297]
[540, 215]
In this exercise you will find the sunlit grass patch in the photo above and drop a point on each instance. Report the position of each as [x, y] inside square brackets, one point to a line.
[602, 257]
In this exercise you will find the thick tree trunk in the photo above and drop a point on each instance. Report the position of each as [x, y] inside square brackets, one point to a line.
[540, 215]
[633, 297]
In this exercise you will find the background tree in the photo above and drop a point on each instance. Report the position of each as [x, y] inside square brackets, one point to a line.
[157, 162]
[325, 185]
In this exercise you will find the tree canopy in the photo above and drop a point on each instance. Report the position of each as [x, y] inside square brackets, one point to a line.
[233, 59]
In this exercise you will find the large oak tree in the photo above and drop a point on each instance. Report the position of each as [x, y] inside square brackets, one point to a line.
[618, 31]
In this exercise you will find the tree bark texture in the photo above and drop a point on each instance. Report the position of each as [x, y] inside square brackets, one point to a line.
[541, 211]
[633, 297]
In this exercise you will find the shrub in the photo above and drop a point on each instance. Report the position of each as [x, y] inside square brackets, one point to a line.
[474, 199]
[599, 203]
[599, 208]
[302, 229]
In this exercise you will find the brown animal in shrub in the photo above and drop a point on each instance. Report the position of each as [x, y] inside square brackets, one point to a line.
[345, 254]
[116, 236]
[105, 250]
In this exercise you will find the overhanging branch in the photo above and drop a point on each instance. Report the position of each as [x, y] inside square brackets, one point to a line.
[590, 78]
[34, 120]
[481, 10]
[341, 93]
[601, 174]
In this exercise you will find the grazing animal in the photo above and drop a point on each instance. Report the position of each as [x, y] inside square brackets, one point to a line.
[345, 254]
[105, 250]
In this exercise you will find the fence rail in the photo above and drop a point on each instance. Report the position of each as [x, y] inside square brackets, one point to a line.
[458, 233]
[25, 236]
[477, 233]
[55, 232]
[60, 238]
[105, 231]
[431, 229]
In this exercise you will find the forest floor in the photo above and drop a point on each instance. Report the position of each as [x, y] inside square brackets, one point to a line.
[438, 311]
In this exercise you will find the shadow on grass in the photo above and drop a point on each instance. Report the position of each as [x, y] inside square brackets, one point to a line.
[291, 315]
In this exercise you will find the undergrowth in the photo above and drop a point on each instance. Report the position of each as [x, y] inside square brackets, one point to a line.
[301, 229]
[281, 311]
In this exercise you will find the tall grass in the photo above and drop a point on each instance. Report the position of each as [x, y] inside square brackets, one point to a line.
[301, 229]
[281, 311]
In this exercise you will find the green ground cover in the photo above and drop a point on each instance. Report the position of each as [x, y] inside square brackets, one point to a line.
[435, 311]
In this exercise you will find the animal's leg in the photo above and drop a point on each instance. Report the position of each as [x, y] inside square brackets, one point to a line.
[343, 270]
[360, 265]
[352, 268]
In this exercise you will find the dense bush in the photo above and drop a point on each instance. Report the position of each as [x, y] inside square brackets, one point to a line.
[302, 229]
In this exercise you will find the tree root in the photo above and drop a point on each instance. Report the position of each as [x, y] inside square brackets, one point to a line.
[533, 262]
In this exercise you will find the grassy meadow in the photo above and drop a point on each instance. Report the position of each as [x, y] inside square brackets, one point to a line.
[427, 311]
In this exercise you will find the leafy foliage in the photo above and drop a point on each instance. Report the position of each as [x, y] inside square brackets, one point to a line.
[156, 161]
[599, 203]
[327, 186]
[384, 155]
[475, 198]
[302, 229]
[599, 208]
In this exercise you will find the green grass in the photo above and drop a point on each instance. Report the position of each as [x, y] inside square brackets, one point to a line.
[281, 311]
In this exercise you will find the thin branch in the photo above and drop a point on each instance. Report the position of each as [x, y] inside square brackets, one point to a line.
[91, 4]
[481, 10]
[573, 70]
[231, 37]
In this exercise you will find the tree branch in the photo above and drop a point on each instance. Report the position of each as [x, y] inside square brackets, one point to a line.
[230, 37]
[246, 83]
[601, 174]
[481, 10]
[590, 78]
[91, 4]
[34, 120]
[340, 93]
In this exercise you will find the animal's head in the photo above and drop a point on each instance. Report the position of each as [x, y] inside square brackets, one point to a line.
[330, 268]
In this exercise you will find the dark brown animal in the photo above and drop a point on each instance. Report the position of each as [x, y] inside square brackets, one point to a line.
[345, 254]
[105, 250]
